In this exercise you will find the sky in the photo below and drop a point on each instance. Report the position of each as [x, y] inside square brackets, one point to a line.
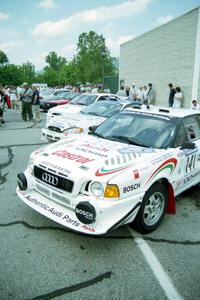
[30, 29]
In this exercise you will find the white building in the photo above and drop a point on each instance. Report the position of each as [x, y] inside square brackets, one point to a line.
[167, 54]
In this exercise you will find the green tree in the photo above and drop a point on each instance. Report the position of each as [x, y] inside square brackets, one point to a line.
[55, 61]
[93, 58]
[28, 72]
[3, 58]
[10, 74]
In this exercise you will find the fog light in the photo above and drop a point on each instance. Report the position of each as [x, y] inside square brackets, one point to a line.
[22, 181]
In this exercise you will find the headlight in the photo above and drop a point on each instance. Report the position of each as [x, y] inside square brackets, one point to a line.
[111, 191]
[96, 189]
[31, 164]
[73, 130]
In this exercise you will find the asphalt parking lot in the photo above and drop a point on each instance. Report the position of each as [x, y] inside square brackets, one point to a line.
[42, 260]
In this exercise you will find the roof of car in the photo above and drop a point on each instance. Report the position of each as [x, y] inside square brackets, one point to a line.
[167, 111]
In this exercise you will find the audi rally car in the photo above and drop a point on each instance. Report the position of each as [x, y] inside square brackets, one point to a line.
[128, 170]
[61, 125]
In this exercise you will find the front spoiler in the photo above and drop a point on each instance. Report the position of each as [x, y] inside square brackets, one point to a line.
[109, 217]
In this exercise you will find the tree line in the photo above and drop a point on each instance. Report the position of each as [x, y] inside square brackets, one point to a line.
[91, 63]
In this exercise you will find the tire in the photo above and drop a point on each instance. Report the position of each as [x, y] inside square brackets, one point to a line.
[152, 210]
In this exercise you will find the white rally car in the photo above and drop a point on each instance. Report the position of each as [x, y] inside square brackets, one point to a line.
[128, 170]
[92, 115]
[77, 104]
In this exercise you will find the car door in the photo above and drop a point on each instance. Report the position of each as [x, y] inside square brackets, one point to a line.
[192, 156]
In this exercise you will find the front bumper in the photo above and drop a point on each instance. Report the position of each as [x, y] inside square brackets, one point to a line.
[49, 135]
[109, 214]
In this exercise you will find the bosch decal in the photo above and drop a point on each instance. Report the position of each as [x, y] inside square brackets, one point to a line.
[131, 188]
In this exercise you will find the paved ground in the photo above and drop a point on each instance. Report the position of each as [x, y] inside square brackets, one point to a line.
[41, 260]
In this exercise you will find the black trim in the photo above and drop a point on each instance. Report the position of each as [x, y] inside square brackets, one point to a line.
[124, 218]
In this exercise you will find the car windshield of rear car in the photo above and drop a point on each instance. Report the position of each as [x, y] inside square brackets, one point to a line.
[143, 129]
[102, 109]
[84, 99]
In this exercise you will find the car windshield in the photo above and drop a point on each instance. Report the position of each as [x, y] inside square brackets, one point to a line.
[84, 99]
[102, 109]
[148, 130]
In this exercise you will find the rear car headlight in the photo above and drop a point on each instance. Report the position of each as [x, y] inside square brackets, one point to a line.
[96, 189]
[73, 130]
[111, 191]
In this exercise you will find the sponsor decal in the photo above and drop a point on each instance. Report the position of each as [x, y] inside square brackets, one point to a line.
[71, 221]
[134, 150]
[93, 152]
[90, 229]
[61, 169]
[188, 152]
[191, 176]
[51, 210]
[77, 158]
[103, 171]
[161, 158]
[136, 174]
[85, 212]
[101, 149]
[168, 164]
[131, 188]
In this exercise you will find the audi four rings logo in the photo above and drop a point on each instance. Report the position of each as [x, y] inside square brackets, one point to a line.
[51, 179]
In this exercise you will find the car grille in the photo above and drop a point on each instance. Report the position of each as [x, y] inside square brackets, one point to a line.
[53, 128]
[53, 180]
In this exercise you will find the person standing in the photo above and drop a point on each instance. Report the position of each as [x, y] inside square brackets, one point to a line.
[26, 99]
[2, 104]
[36, 104]
[195, 105]
[133, 92]
[171, 94]
[121, 93]
[150, 94]
[14, 99]
[178, 98]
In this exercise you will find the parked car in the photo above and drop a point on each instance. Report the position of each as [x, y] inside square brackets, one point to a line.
[59, 100]
[56, 96]
[79, 102]
[128, 170]
[62, 125]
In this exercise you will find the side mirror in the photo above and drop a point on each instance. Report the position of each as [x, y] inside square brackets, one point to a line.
[92, 128]
[188, 145]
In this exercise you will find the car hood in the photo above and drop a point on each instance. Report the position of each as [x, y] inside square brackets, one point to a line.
[68, 108]
[75, 120]
[101, 157]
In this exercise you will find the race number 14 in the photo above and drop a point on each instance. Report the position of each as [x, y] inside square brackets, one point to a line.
[191, 163]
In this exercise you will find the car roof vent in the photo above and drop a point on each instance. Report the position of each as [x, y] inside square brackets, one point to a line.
[163, 110]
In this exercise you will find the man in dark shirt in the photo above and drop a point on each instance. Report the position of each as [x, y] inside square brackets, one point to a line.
[36, 104]
[171, 94]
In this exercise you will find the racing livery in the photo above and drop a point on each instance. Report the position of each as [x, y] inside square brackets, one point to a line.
[129, 170]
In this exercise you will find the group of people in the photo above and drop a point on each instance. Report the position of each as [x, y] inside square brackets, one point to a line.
[145, 94]
[175, 96]
[24, 99]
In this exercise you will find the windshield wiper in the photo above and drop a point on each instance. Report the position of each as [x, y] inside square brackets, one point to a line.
[93, 114]
[130, 141]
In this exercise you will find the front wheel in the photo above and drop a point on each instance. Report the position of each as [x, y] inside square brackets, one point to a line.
[152, 209]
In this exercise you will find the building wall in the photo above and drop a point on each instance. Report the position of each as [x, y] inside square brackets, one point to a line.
[163, 55]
